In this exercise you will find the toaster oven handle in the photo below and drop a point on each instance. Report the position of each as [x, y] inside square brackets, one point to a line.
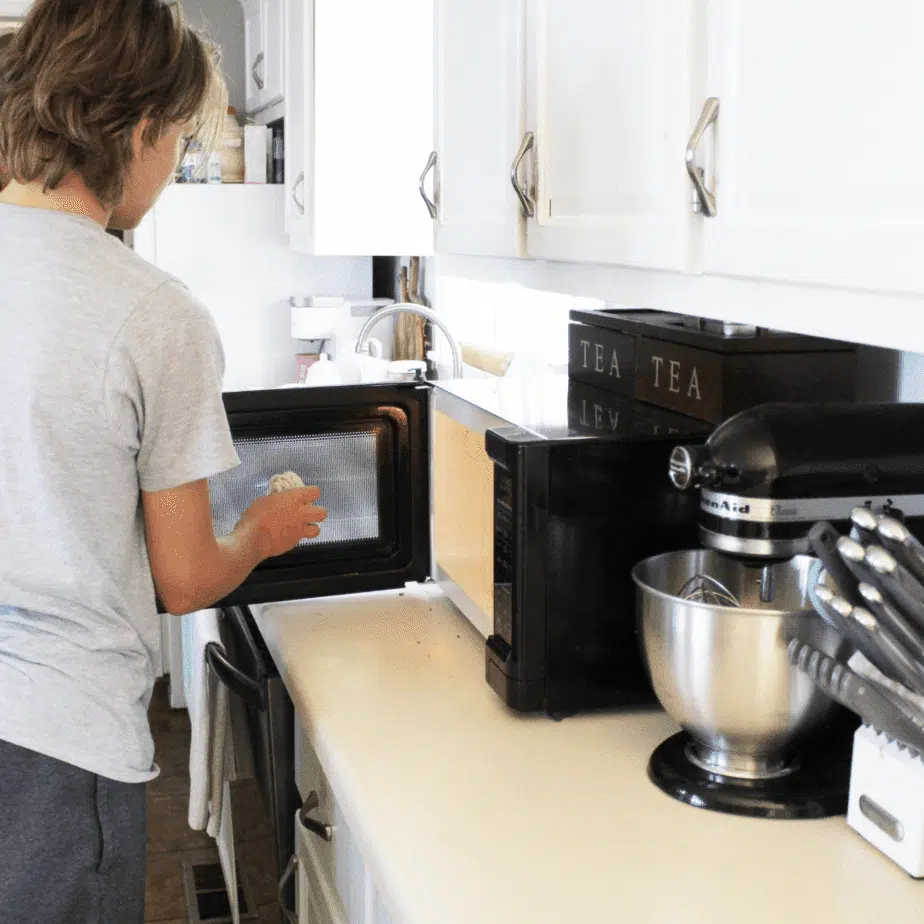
[235, 680]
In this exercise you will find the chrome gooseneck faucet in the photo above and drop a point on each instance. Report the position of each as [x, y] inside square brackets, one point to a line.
[362, 344]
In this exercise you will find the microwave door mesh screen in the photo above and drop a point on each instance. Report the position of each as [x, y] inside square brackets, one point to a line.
[342, 465]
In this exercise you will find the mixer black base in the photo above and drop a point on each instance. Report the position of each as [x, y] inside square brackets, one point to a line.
[817, 788]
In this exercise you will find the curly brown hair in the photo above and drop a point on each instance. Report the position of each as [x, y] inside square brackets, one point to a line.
[80, 75]
[6, 39]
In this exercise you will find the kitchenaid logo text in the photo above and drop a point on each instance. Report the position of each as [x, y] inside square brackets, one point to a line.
[725, 506]
[675, 378]
[601, 363]
[781, 510]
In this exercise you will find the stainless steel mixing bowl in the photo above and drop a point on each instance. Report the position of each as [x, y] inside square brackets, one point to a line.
[722, 672]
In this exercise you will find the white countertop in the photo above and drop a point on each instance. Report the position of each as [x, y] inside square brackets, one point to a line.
[470, 814]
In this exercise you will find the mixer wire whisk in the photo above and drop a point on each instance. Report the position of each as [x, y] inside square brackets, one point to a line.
[701, 588]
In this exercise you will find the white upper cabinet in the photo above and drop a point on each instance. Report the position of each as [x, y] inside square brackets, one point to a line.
[255, 55]
[274, 47]
[359, 125]
[613, 90]
[481, 122]
[820, 141]
[264, 45]
[298, 114]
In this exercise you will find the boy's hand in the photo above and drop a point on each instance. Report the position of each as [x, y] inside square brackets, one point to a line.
[278, 522]
[191, 568]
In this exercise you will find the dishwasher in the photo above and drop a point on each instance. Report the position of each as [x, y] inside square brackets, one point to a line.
[246, 667]
[367, 449]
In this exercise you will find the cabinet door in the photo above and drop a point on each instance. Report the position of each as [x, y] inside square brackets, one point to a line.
[612, 90]
[380, 913]
[274, 48]
[820, 142]
[481, 120]
[255, 51]
[314, 897]
[298, 109]
[373, 126]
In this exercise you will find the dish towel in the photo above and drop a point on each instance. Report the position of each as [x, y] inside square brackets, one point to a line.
[211, 752]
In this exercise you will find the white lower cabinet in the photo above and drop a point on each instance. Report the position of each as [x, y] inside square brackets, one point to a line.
[335, 884]
[315, 898]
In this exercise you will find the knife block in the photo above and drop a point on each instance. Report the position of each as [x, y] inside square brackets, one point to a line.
[886, 804]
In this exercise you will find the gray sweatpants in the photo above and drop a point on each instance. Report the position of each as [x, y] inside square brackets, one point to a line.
[72, 844]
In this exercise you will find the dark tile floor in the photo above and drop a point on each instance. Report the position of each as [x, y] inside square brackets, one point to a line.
[171, 842]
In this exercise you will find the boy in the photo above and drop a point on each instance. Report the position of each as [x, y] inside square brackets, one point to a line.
[111, 421]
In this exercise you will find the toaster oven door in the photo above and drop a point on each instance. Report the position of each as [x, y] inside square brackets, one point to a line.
[366, 448]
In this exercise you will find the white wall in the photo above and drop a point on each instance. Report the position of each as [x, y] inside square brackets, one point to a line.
[227, 244]
[531, 324]
[223, 20]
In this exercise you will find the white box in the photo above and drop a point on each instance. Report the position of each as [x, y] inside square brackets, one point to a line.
[256, 140]
[887, 798]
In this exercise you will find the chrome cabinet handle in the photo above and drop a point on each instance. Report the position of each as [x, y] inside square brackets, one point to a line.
[323, 831]
[529, 209]
[299, 181]
[705, 199]
[258, 77]
[290, 915]
[431, 205]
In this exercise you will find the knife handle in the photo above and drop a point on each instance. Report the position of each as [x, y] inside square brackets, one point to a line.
[892, 619]
[904, 668]
[903, 591]
[903, 544]
[905, 555]
[852, 632]
[822, 539]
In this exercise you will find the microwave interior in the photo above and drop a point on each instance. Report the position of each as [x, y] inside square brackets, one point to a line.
[365, 447]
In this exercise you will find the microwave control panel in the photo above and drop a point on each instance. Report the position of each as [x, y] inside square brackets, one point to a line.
[504, 554]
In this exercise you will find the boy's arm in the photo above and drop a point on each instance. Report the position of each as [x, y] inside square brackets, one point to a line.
[192, 568]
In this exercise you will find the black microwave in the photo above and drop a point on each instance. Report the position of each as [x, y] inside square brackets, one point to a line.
[527, 501]
[565, 489]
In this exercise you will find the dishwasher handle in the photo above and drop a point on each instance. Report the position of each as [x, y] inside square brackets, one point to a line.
[290, 915]
[251, 691]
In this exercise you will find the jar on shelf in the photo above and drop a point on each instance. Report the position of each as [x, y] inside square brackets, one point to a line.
[232, 149]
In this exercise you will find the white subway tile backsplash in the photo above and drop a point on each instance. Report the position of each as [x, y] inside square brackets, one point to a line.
[508, 317]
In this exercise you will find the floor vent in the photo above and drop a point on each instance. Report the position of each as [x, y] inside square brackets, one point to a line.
[207, 898]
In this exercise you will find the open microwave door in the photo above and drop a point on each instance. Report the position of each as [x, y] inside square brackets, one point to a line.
[366, 448]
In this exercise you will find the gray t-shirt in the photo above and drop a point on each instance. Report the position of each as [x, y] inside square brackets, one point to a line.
[110, 385]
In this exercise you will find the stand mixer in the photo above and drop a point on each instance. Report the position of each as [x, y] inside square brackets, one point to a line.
[759, 738]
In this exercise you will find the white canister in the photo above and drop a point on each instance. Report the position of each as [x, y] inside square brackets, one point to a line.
[323, 372]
